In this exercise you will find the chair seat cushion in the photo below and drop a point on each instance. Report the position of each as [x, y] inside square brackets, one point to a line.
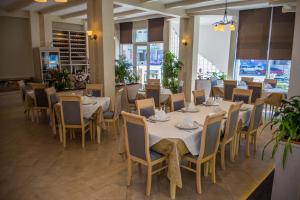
[245, 128]
[154, 155]
[108, 115]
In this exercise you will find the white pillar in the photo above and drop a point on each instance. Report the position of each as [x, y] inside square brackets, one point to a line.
[35, 29]
[232, 50]
[102, 50]
[188, 55]
[294, 86]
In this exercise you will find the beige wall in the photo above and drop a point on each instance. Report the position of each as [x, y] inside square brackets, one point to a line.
[16, 58]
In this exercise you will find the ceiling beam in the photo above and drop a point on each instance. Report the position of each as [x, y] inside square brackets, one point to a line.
[129, 12]
[196, 11]
[185, 3]
[17, 5]
[62, 6]
[131, 19]
[74, 14]
[152, 6]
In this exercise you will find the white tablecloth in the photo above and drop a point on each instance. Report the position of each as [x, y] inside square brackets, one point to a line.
[162, 130]
[164, 94]
[89, 110]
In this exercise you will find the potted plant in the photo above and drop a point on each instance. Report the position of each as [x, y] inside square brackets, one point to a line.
[122, 71]
[62, 80]
[171, 67]
[285, 125]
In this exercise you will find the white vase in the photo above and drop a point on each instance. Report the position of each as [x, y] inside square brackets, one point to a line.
[286, 184]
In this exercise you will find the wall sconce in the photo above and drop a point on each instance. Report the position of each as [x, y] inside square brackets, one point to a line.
[184, 42]
[91, 35]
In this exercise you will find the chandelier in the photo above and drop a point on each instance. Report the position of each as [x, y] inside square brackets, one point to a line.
[220, 25]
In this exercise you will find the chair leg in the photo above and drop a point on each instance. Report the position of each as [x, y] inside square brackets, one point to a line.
[83, 137]
[91, 131]
[248, 145]
[232, 147]
[222, 156]
[198, 177]
[206, 168]
[254, 140]
[213, 169]
[60, 133]
[64, 136]
[129, 171]
[98, 133]
[149, 180]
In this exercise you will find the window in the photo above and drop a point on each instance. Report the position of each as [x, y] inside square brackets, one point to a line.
[156, 59]
[174, 37]
[141, 35]
[126, 50]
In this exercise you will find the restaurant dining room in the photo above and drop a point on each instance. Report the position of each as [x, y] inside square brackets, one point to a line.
[149, 99]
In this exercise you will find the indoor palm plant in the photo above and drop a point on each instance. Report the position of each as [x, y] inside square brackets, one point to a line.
[121, 70]
[171, 68]
[285, 125]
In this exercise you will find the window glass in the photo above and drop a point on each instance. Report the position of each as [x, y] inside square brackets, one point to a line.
[156, 60]
[174, 37]
[141, 62]
[280, 70]
[141, 35]
[252, 68]
[127, 52]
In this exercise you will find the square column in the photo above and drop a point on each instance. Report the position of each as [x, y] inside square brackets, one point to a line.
[294, 86]
[102, 50]
[188, 54]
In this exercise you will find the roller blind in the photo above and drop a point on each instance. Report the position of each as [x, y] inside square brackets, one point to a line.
[126, 33]
[156, 30]
[282, 34]
[253, 36]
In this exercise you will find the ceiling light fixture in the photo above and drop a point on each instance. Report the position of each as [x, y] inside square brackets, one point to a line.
[220, 25]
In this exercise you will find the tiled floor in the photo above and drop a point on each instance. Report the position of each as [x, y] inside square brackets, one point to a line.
[34, 165]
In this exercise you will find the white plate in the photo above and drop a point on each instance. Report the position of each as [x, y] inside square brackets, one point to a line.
[181, 126]
[154, 118]
[213, 104]
[244, 108]
[191, 110]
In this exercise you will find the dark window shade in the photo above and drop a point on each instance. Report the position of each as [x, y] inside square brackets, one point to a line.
[253, 38]
[282, 34]
[126, 33]
[156, 30]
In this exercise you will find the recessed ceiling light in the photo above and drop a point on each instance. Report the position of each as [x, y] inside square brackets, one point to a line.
[40, 1]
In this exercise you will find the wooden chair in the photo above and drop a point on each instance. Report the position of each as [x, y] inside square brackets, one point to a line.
[72, 117]
[111, 118]
[230, 133]
[27, 105]
[145, 107]
[131, 92]
[153, 82]
[177, 101]
[229, 85]
[217, 92]
[247, 79]
[137, 148]
[273, 101]
[94, 89]
[250, 131]
[58, 120]
[52, 100]
[272, 82]
[256, 90]
[242, 95]
[153, 91]
[210, 139]
[40, 100]
[199, 96]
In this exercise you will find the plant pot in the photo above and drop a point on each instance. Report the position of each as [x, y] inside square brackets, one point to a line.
[286, 184]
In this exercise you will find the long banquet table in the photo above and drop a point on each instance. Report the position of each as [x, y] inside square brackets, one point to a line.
[168, 140]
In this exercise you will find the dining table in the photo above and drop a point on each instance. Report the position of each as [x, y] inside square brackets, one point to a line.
[266, 91]
[167, 139]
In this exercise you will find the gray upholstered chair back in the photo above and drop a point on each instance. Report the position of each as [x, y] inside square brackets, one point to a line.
[53, 99]
[177, 105]
[232, 123]
[96, 93]
[256, 92]
[212, 137]
[200, 100]
[257, 116]
[132, 91]
[228, 91]
[136, 140]
[155, 94]
[238, 97]
[41, 97]
[71, 112]
[147, 112]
